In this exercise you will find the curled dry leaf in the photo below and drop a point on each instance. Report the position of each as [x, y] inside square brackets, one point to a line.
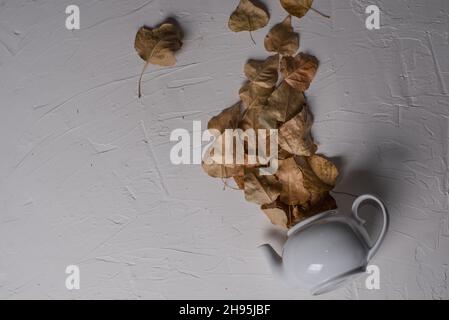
[285, 102]
[253, 95]
[215, 164]
[158, 46]
[217, 170]
[324, 169]
[263, 73]
[255, 118]
[282, 154]
[240, 181]
[299, 71]
[227, 119]
[277, 212]
[300, 188]
[292, 180]
[260, 189]
[312, 181]
[325, 203]
[282, 39]
[297, 8]
[248, 17]
[287, 216]
[295, 136]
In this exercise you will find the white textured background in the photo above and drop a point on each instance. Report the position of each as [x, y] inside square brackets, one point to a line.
[85, 176]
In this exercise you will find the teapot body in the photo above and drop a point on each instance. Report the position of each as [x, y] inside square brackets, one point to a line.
[326, 250]
[321, 254]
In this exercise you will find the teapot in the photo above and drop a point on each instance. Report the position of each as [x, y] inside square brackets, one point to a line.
[326, 250]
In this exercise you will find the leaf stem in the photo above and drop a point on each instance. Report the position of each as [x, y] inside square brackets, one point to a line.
[320, 13]
[250, 28]
[251, 35]
[140, 79]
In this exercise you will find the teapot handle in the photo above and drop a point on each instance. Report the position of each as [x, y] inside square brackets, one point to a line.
[386, 220]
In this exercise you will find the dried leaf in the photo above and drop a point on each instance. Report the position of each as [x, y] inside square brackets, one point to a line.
[287, 216]
[255, 118]
[299, 213]
[260, 189]
[240, 182]
[277, 212]
[297, 8]
[263, 73]
[295, 136]
[248, 17]
[253, 95]
[292, 180]
[217, 170]
[285, 102]
[282, 39]
[282, 154]
[299, 71]
[227, 119]
[324, 169]
[312, 182]
[158, 46]
[215, 166]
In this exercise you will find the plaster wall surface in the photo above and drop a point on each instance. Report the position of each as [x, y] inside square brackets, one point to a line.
[85, 175]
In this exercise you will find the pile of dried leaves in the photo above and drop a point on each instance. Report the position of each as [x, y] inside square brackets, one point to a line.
[273, 98]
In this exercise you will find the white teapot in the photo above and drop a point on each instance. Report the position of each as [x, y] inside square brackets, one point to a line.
[325, 250]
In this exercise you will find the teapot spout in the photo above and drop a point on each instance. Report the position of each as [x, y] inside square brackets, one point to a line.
[274, 260]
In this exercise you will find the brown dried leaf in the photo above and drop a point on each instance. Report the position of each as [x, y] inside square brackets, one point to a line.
[253, 95]
[263, 73]
[325, 203]
[282, 154]
[292, 180]
[255, 118]
[295, 136]
[324, 169]
[287, 216]
[312, 182]
[227, 119]
[214, 164]
[284, 103]
[260, 189]
[282, 39]
[240, 182]
[277, 212]
[297, 8]
[217, 170]
[299, 71]
[248, 17]
[158, 46]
